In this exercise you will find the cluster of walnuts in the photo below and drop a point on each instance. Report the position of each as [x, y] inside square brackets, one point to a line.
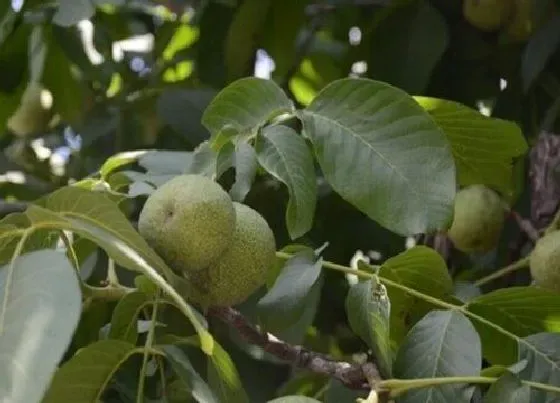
[222, 248]
[479, 215]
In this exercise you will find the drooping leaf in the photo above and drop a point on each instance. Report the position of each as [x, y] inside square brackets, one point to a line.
[539, 49]
[245, 161]
[94, 216]
[125, 317]
[520, 310]
[223, 377]
[284, 303]
[179, 361]
[245, 105]
[241, 41]
[285, 155]
[442, 344]
[368, 309]
[421, 269]
[483, 147]
[404, 51]
[542, 364]
[508, 389]
[203, 161]
[40, 309]
[383, 154]
[85, 376]
[182, 110]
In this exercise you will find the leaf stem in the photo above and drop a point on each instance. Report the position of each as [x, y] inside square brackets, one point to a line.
[147, 348]
[519, 264]
[112, 278]
[109, 293]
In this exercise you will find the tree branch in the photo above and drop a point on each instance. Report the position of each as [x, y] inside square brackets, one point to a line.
[352, 375]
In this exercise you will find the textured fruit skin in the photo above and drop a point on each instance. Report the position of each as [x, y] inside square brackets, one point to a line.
[486, 15]
[189, 221]
[478, 219]
[243, 268]
[544, 262]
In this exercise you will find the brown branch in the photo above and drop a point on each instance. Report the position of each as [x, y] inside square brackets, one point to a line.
[352, 375]
[526, 226]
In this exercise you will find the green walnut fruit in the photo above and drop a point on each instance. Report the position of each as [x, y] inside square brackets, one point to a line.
[244, 266]
[34, 113]
[189, 221]
[486, 15]
[544, 262]
[478, 219]
[521, 24]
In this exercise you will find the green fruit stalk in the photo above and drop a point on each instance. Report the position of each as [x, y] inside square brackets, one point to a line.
[243, 268]
[478, 219]
[544, 262]
[189, 221]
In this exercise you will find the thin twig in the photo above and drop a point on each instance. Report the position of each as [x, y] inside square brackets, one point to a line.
[526, 226]
[519, 264]
[350, 374]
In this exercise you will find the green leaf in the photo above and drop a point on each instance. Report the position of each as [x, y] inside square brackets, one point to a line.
[164, 162]
[186, 372]
[483, 147]
[40, 309]
[508, 389]
[383, 154]
[294, 399]
[204, 161]
[223, 377]
[60, 80]
[421, 269]
[285, 155]
[85, 376]
[245, 105]
[520, 310]
[241, 40]
[245, 161]
[404, 50]
[125, 317]
[70, 12]
[542, 364]
[539, 50]
[119, 160]
[94, 216]
[182, 110]
[284, 303]
[442, 344]
[368, 309]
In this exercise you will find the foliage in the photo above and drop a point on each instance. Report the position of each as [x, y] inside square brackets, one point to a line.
[374, 115]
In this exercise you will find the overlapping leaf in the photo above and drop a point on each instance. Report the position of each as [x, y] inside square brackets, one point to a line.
[383, 153]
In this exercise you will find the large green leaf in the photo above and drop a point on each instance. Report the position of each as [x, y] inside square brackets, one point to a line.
[383, 153]
[223, 377]
[286, 300]
[442, 344]
[179, 361]
[368, 309]
[519, 310]
[241, 41]
[285, 155]
[245, 105]
[542, 364]
[40, 309]
[483, 147]
[84, 377]
[94, 216]
[407, 45]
